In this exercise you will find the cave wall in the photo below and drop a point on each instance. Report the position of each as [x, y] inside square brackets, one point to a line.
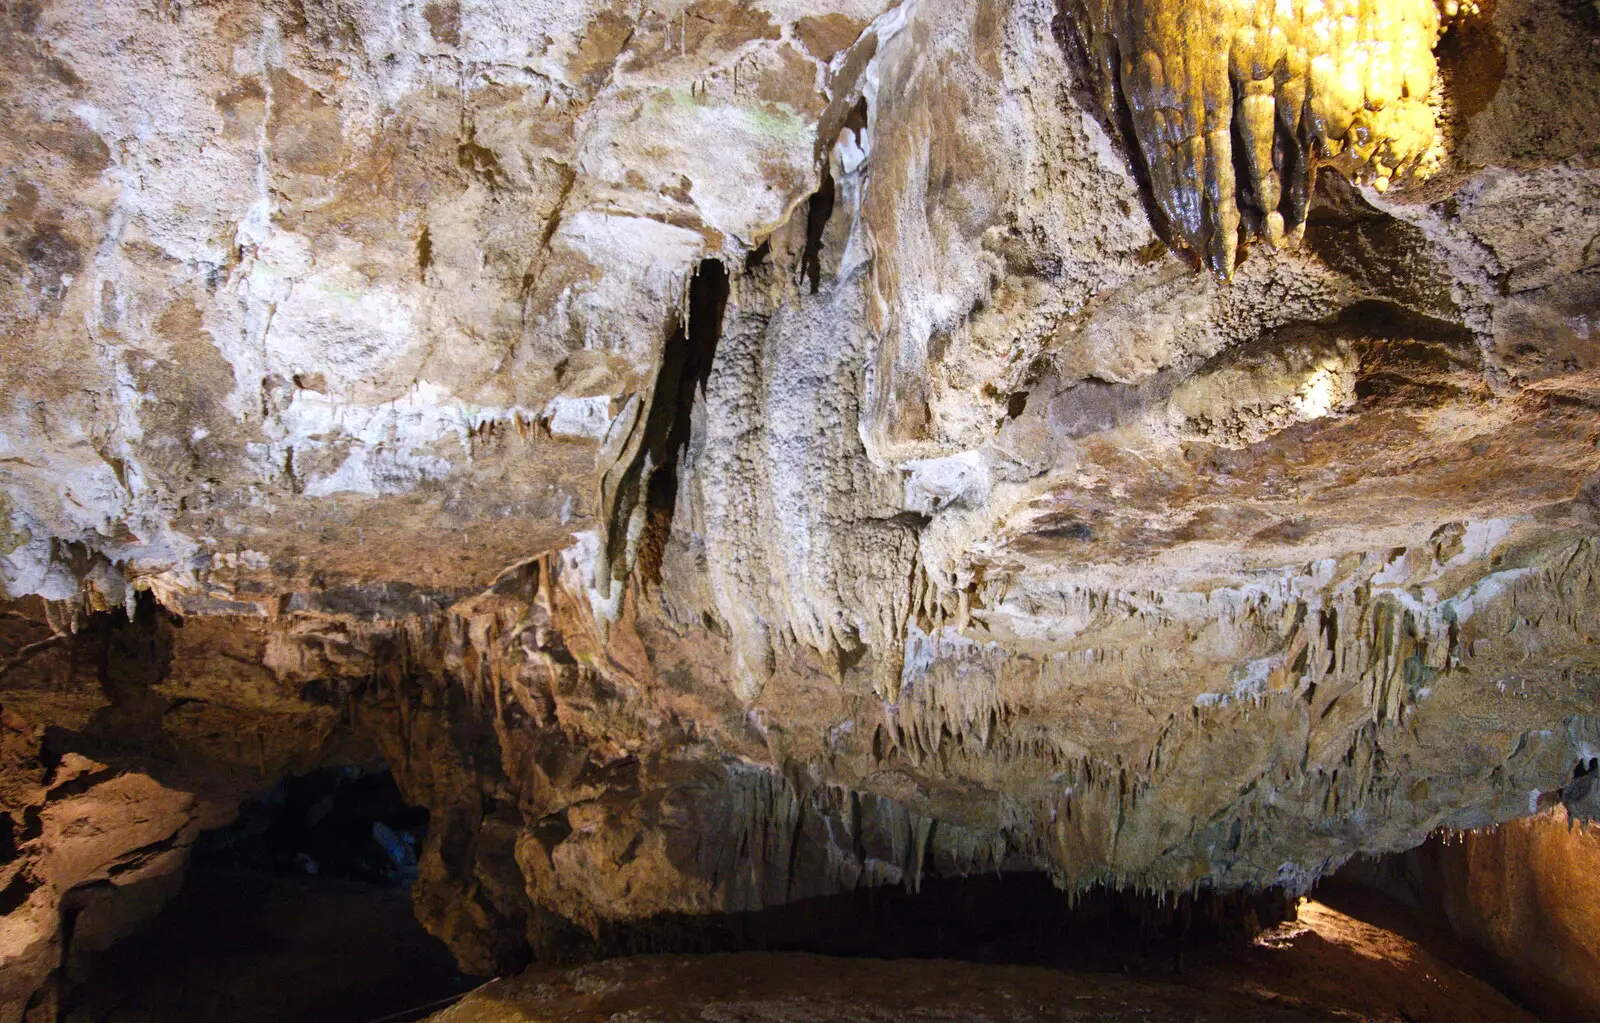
[1527, 890]
[1524, 892]
[90, 853]
[108, 776]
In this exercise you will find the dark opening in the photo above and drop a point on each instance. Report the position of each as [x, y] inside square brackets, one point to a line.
[685, 366]
[1011, 918]
[299, 910]
[341, 822]
[819, 210]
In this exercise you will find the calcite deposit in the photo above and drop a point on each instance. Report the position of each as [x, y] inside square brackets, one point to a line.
[1231, 107]
[727, 452]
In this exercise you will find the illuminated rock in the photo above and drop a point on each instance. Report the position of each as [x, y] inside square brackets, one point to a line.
[1232, 106]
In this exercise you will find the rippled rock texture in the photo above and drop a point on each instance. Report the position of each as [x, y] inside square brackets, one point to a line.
[728, 453]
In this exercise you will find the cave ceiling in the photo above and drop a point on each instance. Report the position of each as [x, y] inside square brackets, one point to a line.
[1148, 443]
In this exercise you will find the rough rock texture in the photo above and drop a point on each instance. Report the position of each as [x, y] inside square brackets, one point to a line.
[1525, 891]
[724, 453]
[98, 811]
[1326, 967]
[107, 850]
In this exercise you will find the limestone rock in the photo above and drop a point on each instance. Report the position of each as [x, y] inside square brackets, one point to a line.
[725, 453]
[1524, 893]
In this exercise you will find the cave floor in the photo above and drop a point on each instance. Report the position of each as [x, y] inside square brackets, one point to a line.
[1336, 966]
[1326, 966]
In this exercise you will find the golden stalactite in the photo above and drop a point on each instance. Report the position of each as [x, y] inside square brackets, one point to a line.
[1228, 107]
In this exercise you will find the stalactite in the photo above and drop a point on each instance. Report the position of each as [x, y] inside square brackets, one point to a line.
[1227, 109]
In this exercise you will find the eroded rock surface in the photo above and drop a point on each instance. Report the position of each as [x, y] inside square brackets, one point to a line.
[1523, 892]
[81, 842]
[726, 453]
[99, 808]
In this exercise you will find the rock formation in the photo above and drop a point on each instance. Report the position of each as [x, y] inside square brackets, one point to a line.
[1272, 89]
[722, 453]
[1523, 892]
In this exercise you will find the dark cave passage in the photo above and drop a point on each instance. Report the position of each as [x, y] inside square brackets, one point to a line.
[345, 822]
[1016, 918]
[299, 910]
